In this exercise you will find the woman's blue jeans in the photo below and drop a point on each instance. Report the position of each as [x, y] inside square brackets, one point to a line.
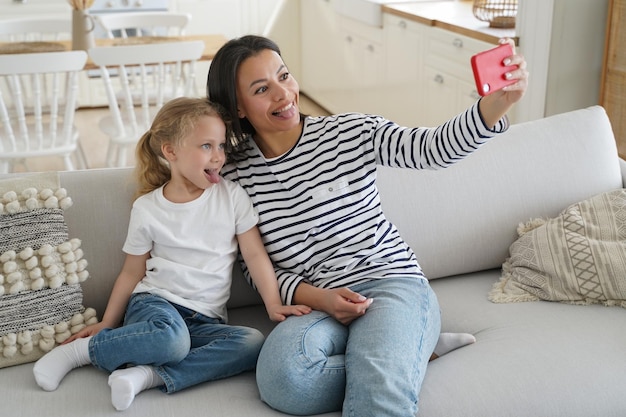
[375, 366]
[184, 347]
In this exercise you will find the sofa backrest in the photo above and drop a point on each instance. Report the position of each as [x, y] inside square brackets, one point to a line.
[457, 220]
[464, 218]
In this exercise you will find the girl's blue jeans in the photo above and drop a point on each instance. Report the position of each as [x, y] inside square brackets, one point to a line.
[184, 347]
[375, 366]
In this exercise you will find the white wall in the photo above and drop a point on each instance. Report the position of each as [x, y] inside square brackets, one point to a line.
[233, 18]
[576, 54]
[563, 42]
[283, 27]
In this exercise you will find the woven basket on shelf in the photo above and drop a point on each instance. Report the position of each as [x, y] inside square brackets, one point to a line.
[499, 13]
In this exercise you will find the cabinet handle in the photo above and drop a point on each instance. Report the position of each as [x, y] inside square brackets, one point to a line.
[402, 24]
[349, 39]
[457, 43]
[438, 79]
[370, 48]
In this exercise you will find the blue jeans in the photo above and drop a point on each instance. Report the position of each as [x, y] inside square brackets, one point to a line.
[375, 366]
[184, 347]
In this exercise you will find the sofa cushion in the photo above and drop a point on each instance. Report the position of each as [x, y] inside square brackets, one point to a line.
[577, 257]
[40, 270]
[539, 359]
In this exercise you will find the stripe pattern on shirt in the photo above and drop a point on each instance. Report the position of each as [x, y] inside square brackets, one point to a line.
[319, 208]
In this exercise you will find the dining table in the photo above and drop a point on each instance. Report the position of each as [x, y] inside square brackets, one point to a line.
[212, 43]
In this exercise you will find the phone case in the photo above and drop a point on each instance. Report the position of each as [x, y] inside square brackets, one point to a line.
[489, 70]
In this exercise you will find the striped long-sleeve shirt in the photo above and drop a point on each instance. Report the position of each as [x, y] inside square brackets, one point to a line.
[319, 209]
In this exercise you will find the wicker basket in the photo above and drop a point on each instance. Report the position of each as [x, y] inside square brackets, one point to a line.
[499, 13]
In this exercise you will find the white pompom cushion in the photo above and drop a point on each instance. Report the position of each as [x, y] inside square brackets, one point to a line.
[41, 269]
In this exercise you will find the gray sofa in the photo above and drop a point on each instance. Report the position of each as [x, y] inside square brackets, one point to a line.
[531, 359]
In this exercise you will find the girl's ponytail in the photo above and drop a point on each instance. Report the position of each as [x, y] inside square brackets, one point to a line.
[152, 170]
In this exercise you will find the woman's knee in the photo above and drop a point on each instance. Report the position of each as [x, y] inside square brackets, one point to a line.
[301, 368]
[292, 390]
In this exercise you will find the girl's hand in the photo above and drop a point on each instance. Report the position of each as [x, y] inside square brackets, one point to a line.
[86, 332]
[280, 312]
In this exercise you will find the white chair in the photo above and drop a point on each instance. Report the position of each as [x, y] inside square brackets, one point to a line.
[37, 111]
[35, 29]
[125, 25]
[138, 79]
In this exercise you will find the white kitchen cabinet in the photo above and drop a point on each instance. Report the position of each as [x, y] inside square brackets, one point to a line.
[445, 95]
[403, 50]
[452, 51]
[467, 94]
[320, 52]
[342, 61]
[448, 79]
[363, 60]
[407, 71]
[440, 92]
[361, 69]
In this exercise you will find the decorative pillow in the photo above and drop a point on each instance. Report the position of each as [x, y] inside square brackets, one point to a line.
[578, 257]
[40, 270]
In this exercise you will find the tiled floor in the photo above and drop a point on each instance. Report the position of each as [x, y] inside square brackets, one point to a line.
[95, 143]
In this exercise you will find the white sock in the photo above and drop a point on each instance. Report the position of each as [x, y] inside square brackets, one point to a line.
[54, 365]
[127, 383]
[450, 341]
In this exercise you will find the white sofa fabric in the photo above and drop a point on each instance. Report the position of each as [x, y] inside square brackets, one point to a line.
[536, 359]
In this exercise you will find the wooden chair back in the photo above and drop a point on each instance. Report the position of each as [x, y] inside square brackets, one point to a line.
[138, 79]
[37, 106]
[126, 25]
[35, 29]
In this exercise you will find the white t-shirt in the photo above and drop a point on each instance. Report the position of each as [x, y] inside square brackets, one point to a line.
[192, 245]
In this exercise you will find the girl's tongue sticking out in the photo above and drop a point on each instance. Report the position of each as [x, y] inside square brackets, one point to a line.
[213, 175]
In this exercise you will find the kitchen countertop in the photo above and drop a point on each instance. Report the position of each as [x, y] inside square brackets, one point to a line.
[455, 16]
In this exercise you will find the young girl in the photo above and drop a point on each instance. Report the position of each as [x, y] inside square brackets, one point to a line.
[183, 238]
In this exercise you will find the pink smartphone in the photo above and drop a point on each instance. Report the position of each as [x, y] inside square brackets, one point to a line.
[489, 69]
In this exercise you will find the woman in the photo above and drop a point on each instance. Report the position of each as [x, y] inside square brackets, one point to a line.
[365, 347]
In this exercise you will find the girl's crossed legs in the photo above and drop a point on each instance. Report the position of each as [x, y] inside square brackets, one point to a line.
[180, 347]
